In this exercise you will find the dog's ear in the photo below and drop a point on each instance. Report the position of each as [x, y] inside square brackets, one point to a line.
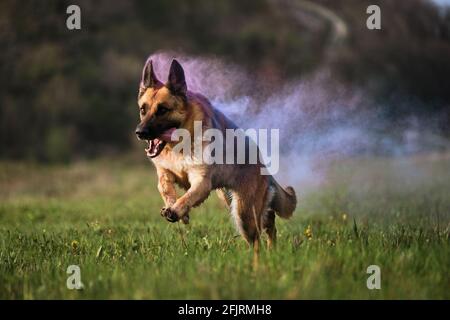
[149, 79]
[176, 82]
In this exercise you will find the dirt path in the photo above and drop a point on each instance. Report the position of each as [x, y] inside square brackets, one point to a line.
[313, 16]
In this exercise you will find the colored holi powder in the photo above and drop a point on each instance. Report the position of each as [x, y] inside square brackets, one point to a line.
[319, 120]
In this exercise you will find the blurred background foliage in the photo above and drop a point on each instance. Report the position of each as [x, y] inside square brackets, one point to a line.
[69, 94]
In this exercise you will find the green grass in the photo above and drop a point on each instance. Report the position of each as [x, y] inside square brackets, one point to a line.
[104, 217]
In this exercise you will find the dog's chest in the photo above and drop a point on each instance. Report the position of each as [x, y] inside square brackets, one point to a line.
[178, 164]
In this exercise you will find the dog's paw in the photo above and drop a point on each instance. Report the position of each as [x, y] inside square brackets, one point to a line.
[185, 219]
[169, 214]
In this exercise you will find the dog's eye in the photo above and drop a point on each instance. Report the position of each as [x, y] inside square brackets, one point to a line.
[162, 110]
[143, 109]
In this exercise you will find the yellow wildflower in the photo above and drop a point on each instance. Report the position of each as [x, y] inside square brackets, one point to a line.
[308, 232]
[74, 244]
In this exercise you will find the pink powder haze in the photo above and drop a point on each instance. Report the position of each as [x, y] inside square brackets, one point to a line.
[319, 119]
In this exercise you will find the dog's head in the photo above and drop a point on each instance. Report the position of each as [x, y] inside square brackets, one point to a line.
[162, 107]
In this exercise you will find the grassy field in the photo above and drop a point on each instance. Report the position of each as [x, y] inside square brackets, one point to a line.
[104, 216]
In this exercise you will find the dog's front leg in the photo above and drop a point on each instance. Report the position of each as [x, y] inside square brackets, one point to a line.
[196, 194]
[166, 187]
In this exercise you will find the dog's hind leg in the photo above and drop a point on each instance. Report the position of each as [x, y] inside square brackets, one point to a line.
[247, 208]
[268, 223]
[225, 196]
[247, 219]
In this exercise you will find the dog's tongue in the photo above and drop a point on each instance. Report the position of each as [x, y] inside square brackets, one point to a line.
[167, 135]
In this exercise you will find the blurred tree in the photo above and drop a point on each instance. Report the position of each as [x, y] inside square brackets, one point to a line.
[69, 93]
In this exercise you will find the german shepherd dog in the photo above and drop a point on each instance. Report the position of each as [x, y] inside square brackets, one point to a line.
[252, 198]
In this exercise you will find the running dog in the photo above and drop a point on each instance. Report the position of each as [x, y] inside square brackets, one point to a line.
[253, 199]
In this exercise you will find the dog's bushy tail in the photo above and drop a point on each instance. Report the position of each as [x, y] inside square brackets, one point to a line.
[284, 201]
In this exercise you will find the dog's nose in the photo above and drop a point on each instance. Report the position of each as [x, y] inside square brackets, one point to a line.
[141, 132]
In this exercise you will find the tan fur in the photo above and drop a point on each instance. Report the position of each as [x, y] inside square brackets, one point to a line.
[252, 198]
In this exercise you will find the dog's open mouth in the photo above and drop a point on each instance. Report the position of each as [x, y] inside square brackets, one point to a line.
[155, 146]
